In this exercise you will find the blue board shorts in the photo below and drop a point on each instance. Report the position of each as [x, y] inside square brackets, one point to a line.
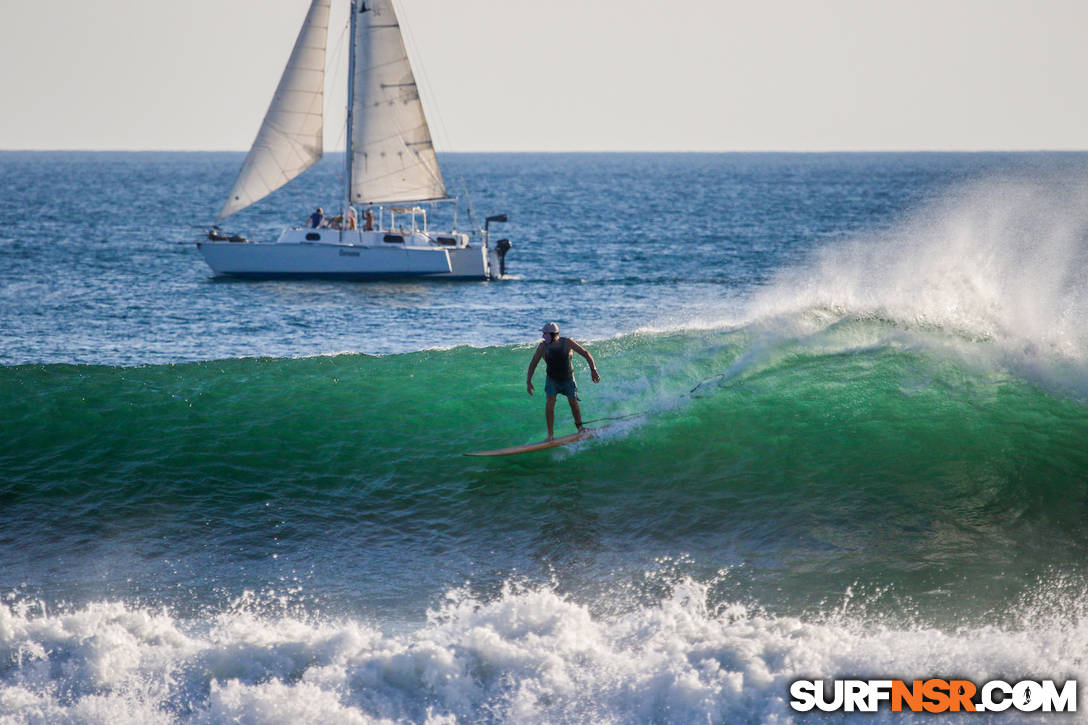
[568, 388]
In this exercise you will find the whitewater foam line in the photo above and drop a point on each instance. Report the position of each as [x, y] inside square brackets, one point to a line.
[528, 656]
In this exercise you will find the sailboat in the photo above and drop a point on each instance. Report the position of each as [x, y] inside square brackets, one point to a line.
[391, 170]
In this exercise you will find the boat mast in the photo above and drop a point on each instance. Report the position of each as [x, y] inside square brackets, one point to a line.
[351, 103]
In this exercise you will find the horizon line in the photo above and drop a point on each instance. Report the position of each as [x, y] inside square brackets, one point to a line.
[590, 151]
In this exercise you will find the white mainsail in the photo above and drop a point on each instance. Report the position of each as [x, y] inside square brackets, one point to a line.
[392, 157]
[290, 139]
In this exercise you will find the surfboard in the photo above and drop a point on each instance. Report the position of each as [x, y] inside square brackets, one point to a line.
[541, 445]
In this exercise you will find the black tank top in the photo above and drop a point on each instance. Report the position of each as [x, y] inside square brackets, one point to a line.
[557, 358]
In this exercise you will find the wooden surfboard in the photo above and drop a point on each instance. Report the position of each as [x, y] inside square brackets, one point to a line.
[541, 445]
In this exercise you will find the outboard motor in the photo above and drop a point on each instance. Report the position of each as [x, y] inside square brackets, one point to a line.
[502, 247]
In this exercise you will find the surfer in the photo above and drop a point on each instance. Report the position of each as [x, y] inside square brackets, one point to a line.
[557, 352]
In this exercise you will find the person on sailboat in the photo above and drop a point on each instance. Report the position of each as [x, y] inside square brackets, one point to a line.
[353, 222]
[368, 220]
[317, 219]
[557, 352]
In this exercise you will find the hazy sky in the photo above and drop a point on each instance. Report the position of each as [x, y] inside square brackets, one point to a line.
[712, 75]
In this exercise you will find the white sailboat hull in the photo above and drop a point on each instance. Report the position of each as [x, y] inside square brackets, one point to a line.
[338, 254]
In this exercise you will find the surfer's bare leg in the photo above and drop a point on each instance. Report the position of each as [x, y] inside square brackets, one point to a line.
[549, 416]
[576, 411]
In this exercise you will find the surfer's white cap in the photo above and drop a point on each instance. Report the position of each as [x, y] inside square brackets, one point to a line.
[550, 327]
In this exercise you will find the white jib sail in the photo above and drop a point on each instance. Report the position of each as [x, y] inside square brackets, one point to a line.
[393, 158]
[290, 139]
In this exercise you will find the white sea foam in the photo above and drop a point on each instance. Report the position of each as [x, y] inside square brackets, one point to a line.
[529, 655]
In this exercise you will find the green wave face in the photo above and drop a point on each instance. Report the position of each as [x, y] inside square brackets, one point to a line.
[860, 451]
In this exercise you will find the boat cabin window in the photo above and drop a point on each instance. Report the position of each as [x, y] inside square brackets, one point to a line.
[313, 237]
[394, 239]
[449, 241]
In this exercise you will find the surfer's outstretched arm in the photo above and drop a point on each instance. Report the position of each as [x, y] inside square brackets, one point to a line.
[589, 359]
[532, 367]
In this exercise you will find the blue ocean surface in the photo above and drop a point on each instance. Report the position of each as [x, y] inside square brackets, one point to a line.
[845, 399]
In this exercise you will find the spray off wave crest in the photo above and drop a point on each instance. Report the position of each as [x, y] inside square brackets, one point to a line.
[1004, 262]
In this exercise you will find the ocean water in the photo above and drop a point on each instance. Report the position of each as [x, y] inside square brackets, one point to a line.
[846, 406]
